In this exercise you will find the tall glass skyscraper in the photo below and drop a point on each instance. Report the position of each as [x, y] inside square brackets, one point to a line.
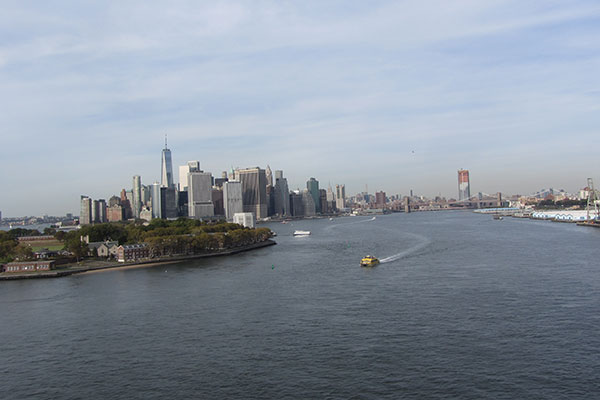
[464, 189]
[166, 176]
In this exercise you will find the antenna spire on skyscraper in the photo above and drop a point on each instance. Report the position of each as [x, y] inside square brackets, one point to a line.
[166, 141]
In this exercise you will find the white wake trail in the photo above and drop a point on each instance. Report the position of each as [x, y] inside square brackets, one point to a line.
[423, 242]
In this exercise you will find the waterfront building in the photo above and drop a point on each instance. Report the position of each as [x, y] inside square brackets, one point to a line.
[184, 170]
[132, 252]
[85, 214]
[166, 175]
[312, 185]
[136, 203]
[29, 266]
[232, 199]
[464, 189]
[330, 199]
[323, 201]
[155, 200]
[296, 204]
[308, 203]
[245, 219]
[282, 195]
[200, 203]
[254, 191]
[340, 198]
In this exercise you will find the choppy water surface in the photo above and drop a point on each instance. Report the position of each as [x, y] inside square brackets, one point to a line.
[462, 306]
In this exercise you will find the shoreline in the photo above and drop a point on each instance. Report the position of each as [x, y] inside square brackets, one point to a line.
[135, 264]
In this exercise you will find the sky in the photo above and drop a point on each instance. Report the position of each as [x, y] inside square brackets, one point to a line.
[396, 95]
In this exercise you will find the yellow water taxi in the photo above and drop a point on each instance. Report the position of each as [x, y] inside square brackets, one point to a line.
[369, 261]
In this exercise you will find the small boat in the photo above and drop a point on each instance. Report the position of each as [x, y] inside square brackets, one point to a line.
[369, 261]
[331, 219]
[499, 217]
[301, 233]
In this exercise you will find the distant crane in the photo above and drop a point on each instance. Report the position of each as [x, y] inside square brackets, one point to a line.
[592, 202]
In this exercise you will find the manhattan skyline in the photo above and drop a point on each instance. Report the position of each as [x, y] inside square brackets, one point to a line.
[398, 96]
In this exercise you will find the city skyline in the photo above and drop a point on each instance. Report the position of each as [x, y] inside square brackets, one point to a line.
[396, 96]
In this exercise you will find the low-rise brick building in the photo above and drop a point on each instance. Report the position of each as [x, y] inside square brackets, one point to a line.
[28, 266]
[132, 252]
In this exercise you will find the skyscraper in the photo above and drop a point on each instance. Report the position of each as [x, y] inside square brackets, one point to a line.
[340, 196]
[464, 189]
[282, 195]
[254, 190]
[137, 196]
[232, 199]
[312, 185]
[85, 214]
[184, 170]
[155, 198]
[269, 176]
[166, 176]
[200, 203]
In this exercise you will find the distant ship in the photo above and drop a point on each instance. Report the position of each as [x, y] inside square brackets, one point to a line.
[301, 233]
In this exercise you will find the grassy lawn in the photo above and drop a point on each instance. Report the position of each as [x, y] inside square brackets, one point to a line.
[37, 245]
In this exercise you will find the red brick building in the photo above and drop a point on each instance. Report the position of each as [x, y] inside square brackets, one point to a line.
[132, 252]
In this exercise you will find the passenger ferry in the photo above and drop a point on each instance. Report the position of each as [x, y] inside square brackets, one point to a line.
[369, 261]
[301, 233]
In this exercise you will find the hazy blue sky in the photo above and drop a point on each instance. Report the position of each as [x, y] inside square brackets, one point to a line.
[344, 91]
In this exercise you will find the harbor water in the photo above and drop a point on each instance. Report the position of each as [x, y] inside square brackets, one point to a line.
[462, 306]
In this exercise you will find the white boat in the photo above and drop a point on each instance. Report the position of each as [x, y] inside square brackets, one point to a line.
[301, 233]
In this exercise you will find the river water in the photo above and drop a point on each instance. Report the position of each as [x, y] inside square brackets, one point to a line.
[462, 307]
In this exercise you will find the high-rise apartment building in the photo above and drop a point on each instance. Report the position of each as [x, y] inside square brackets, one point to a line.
[254, 190]
[232, 199]
[166, 175]
[101, 216]
[85, 214]
[312, 185]
[200, 203]
[380, 199]
[464, 189]
[269, 176]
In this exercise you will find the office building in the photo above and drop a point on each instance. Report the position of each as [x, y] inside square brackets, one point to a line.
[232, 199]
[184, 170]
[296, 204]
[217, 200]
[282, 195]
[380, 199]
[269, 176]
[464, 189]
[308, 203]
[85, 214]
[312, 185]
[254, 191]
[168, 202]
[200, 203]
[114, 213]
[166, 173]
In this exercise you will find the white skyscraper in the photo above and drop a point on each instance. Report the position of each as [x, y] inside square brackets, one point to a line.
[137, 196]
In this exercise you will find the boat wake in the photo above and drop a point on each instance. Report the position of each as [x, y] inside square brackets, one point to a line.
[423, 242]
[361, 221]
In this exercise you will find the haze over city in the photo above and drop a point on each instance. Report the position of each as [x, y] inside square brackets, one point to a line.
[396, 95]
